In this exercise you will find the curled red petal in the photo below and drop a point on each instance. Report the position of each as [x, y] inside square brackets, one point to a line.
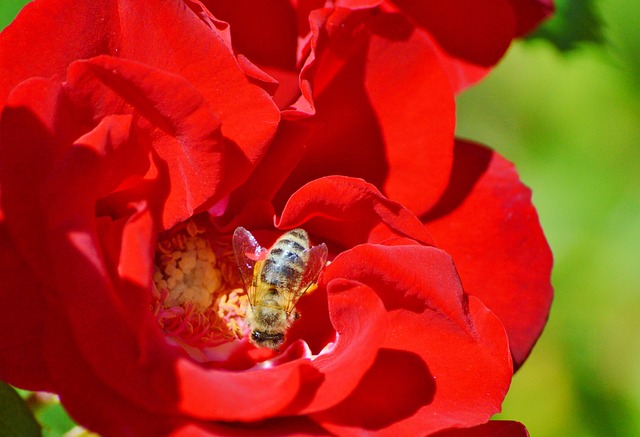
[360, 322]
[132, 30]
[486, 221]
[51, 216]
[365, 67]
[368, 130]
[217, 395]
[185, 133]
[453, 352]
[349, 211]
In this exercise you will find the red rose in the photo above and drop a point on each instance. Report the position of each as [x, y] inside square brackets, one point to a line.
[379, 88]
[129, 156]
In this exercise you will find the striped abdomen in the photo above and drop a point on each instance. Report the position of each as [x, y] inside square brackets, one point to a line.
[285, 264]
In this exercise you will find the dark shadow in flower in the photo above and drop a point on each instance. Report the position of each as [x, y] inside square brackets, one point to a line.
[343, 138]
[275, 427]
[264, 31]
[464, 30]
[310, 381]
[314, 325]
[469, 164]
[396, 386]
[392, 26]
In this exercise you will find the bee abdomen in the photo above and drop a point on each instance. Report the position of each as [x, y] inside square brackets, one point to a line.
[286, 260]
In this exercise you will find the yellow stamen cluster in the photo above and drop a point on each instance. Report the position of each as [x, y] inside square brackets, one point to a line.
[189, 274]
[196, 300]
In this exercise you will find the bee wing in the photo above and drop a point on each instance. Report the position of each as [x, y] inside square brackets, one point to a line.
[316, 258]
[247, 252]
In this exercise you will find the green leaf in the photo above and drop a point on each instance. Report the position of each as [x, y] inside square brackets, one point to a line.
[576, 22]
[9, 9]
[15, 418]
[55, 420]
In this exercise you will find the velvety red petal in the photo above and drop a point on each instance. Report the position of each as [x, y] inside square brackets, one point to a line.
[360, 322]
[143, 367]
[22, 322]
[36, 44]
[367, 66]
[26, 155]
[349, 211]
[445, 361]
[235, 396]
[185, 133]
[32, 46]
[287, 426]
[111, 340]
[86, 397]
[471, 36]
[51, 217]
[486, 221]
[497, 428]
[265, 31]
[110, 414]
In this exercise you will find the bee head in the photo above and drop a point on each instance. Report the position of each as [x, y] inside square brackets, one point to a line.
[265, 339]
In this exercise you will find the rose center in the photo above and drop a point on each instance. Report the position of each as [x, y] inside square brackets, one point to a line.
[198, 298]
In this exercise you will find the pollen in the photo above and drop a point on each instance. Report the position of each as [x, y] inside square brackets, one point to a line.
[198, 298]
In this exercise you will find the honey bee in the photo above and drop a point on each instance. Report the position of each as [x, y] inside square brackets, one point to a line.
[275, 280]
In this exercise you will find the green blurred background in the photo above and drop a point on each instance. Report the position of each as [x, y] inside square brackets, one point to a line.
[568, 114]
[571, 123]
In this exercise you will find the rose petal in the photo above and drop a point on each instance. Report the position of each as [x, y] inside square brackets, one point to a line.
[454, 353]
[50, 214]
[21, 325]
[132, 30]
[46, 49]
[26, 155]
[358, 4]
[105, 411]
[360, 322]
[349, 211]
[487, 223]
[265, 31]
[471, 36]
[232, 396]
[396, 387]
[185, 133]
[289, 426]
[496, 428]
[368, 66]
[368, 131]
